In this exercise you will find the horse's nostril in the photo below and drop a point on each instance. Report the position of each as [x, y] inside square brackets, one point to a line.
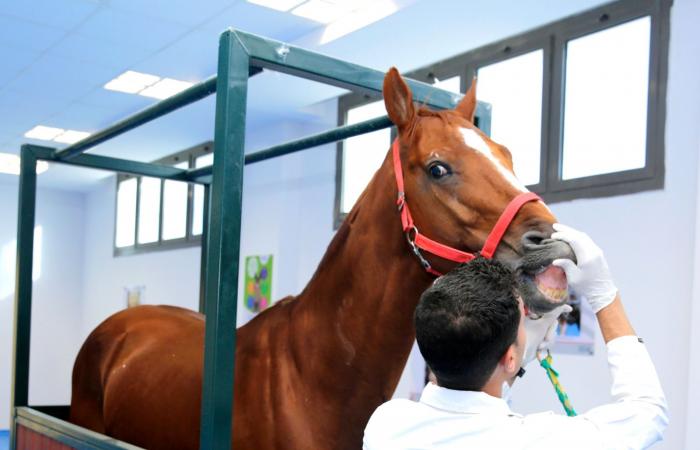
[533, 238]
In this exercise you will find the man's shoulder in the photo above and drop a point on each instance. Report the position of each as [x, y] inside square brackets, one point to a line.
[398, 406]
[391, 422]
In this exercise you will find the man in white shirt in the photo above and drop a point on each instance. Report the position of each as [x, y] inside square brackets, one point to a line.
[469, 328]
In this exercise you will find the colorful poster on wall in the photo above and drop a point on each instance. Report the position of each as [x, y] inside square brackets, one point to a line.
[258, 282]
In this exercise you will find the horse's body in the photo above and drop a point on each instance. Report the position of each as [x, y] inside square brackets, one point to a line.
[311, 369]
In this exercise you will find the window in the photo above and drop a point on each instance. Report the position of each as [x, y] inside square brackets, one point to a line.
[154, 214]
[362, 154]
[607, 77]
[198, 215]
[579, 102]
[126, 213]
[513, 88]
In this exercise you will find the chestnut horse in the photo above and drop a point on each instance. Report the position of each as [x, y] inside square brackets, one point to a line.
[311, 369]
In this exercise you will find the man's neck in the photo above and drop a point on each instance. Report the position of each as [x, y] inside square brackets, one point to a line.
[494, 387]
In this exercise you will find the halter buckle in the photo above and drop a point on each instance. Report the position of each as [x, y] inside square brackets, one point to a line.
[416, 251]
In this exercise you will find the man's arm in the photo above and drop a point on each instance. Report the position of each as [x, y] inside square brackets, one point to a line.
[613, 321]
[639, 414]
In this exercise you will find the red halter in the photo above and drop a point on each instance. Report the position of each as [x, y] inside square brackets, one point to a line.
[419, 242]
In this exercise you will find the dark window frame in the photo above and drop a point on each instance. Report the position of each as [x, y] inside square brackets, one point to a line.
[190, 240]
[552, 38]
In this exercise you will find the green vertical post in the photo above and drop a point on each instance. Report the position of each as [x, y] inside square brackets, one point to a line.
[23, 285]
[224, 244]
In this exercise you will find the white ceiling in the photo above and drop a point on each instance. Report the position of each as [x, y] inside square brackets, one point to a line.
[55, 56]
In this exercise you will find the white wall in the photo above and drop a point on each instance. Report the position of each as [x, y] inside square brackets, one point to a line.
[649, 240]
[56, 315]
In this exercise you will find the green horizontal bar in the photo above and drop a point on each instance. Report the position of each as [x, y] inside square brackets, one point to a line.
[190, 95]
[184, 98]
[282, 57]
[67, 433]
[203, 174]
[113, 164]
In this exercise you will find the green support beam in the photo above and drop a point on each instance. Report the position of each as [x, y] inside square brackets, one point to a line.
[184, 98]
[224, 244]
[191, 95]
[282, 57]
[114, 164]
[23, 285]
[203, 174]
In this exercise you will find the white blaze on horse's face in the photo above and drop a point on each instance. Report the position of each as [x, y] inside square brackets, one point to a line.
[473, 140]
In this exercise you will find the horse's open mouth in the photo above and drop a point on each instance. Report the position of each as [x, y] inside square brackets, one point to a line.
[544, 290]
[551, 282]
[543, 286]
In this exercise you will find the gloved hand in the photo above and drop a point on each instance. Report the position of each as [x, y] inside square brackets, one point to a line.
[590, 278]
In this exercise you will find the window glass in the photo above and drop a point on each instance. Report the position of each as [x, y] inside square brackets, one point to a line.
[126, 213]
[513, 88]
[605, 112]
[149, 210]
[175, 207]
[362, 155]
[198, 205]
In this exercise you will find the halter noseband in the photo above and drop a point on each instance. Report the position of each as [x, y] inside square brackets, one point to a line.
[420, 242]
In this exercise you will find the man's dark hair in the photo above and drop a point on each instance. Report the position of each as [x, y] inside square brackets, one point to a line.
[466, 321]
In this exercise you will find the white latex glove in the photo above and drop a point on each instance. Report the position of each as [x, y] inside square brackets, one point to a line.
[590, 277]
[540, 332]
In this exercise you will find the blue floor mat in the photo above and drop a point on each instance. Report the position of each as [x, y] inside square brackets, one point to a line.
[4, 439]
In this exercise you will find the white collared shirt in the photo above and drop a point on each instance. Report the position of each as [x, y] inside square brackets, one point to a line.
[449, 419]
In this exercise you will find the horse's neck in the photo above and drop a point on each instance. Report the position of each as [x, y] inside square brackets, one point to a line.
[361, 299]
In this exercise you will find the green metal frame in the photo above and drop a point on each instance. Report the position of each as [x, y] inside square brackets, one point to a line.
[241, 55]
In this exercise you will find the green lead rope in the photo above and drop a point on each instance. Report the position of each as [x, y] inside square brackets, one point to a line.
[553, 375]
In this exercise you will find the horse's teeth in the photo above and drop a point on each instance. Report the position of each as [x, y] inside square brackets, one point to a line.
[554, 293]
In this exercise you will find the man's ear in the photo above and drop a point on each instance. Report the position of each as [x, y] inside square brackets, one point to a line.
[509, 360]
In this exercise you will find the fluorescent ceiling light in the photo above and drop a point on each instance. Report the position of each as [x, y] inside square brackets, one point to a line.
[56, 134]
[43, 133]
[71, 136]
[167, 87]
[147, 85]
[322, 10]
[279, 5]
[360, 18]
[9, 163]
[131, 82]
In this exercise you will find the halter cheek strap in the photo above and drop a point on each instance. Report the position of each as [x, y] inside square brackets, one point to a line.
[419, 242]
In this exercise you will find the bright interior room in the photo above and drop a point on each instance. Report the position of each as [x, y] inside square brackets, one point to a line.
[126, 127]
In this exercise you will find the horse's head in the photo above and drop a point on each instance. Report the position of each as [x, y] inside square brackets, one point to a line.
[458, 182]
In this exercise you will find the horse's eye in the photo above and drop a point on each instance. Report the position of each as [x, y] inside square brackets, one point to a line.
[438, 170]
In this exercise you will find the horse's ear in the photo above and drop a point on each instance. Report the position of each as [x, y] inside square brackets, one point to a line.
[398, 99]
[467, 106]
